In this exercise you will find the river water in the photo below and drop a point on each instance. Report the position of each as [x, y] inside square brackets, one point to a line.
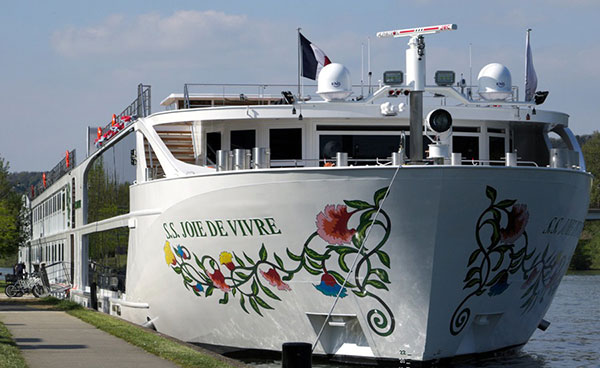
[4, 271]
[572, 340]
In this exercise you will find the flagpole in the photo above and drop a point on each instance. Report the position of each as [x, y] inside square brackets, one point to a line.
[526, 63]
[299, 62]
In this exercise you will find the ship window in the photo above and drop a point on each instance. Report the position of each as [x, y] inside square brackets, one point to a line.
[108, 252]
[467, 146]
[365, 148]
[497, 150]
[108, 179]
[466, 129]
[285, 144]
[245, 139]
[213, 144]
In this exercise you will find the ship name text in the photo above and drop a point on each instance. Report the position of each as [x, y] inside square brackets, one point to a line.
[221, 228]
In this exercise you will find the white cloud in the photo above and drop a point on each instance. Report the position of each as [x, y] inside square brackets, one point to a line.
[119, 36]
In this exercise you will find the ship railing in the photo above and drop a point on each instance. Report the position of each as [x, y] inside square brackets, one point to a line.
[58, 171]
[264, 92]
[385, 162]
[106, 277]
[139, 108]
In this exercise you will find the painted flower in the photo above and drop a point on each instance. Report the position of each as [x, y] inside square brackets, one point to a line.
[219, 280]
[332, 224]
[329, 286]
[226, 259]
[499, 286]
[275, 280]
[517, 221]
[182, 253]
[169, 256]
[198, 287]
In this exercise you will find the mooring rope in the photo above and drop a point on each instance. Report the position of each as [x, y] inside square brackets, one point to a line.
[355, 259]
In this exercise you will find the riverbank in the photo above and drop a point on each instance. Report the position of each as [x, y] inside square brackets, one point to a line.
[173, 351]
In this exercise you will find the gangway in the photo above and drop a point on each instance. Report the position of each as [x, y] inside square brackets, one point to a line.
[57, 278]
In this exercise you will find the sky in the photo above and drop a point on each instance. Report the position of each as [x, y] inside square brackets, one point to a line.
[66, 65]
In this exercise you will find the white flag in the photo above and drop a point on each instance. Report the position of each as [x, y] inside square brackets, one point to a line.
[530, 76]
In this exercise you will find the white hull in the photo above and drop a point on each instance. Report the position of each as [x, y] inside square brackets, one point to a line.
[412, 295]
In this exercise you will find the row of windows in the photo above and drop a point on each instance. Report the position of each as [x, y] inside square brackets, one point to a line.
[50, 206]
[286, 144]
[49, 253]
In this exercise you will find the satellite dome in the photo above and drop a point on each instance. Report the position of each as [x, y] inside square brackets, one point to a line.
[334, 82]
[495, 82]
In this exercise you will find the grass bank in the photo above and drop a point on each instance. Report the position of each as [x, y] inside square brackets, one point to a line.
[10, 356]
[175, 351]
[2, 286]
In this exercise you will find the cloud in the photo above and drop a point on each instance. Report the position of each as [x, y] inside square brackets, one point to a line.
[120, 36]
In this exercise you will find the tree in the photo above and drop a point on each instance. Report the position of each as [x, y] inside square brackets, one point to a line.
[591, 153]
[10, 205]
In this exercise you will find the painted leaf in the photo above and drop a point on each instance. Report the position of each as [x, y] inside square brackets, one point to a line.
[341, 249]
[278, 260]
[263, 253]
[343, 264]
[177, 270]
[340, 279]
[243, 303]
[268, 292]
[490, 193]
[360, 205]
[472, 272]
[366, 216]
[199, 263]
[254, 306]
[377, 284]
[288, 277]
[262, 303]
[213, 264]
[361, 294]
[499, 263]
[293, 256]
[209, 291]
[314, 255]
[497, 215]
[314, 264]
[233, 291]
[480, 292]
[242, 276]
[239, 260]
[187, 279]
[378, 196]
[225, 299]
[254, 287]
[496, 278]
[248, 259]
[506, 203]
[472, 283]
[382, 274]
[473, 256]
[384, 258]
[311, 271]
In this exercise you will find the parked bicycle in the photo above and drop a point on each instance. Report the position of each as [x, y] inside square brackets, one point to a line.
[21, 286]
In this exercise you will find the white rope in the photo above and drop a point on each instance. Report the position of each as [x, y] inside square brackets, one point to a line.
[355, 259]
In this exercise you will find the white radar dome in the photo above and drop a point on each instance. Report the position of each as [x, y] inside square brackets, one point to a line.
[495, 82]
[334, 82]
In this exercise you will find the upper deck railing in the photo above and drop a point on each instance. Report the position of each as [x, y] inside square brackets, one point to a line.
[65, 165]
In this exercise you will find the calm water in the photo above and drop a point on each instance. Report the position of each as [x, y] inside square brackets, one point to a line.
[572, 340]
[4, 271]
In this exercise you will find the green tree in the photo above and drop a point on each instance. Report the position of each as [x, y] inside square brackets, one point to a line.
[10, 205]
[591, 153]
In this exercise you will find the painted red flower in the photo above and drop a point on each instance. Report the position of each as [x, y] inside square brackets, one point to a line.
[275, 280]
[219, 280]
[332, 224]
[517, 221]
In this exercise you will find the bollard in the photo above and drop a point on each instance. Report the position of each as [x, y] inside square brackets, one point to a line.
[261, 158]
[511, 159]
[296, 355]
[93, 296]
[341, 159]
[224, 160]
[456, 158]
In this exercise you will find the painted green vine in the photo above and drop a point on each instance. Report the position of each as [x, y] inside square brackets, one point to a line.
[506, 252]
[254, 281]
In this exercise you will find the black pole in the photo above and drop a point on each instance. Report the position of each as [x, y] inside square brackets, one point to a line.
[296, 355]
[416, 126]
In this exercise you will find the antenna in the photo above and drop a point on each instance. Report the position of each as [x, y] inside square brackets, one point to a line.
[470, 70]
[415, 78]
[369, 63]
[362, 67]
